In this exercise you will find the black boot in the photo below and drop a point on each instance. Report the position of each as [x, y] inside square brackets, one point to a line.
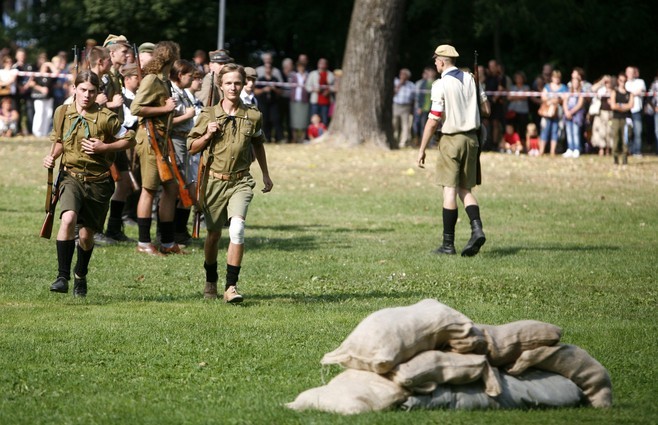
[115, 230]
[476, 241]
[448, 246]
[80, 286]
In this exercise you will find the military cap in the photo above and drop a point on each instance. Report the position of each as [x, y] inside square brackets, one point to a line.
[446, 50]
[251, 72]
[220, 56]
[115, 39]
[146, 48]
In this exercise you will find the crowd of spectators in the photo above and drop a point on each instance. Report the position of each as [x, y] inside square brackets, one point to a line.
[579, 121]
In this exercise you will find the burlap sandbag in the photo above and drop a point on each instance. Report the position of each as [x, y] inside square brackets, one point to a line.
[426, 370]
[574, 363]
[475, 342]
[394, 335]
[351, 392]
[507, 342]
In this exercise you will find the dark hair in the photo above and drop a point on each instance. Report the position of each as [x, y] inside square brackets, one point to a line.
[88, 77]
[181, 66]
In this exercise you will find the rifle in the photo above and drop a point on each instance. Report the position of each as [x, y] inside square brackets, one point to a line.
[476, 76]
[196, 227]
[161, 161]
[183, 193]
[52, 196]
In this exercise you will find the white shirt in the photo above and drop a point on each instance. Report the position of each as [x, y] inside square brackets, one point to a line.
[454, 99]
[638, 88]
[248, 99]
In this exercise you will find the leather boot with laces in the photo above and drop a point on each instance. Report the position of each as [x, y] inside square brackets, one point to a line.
[231, 295]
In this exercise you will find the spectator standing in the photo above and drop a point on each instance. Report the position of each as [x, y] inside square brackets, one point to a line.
[287, 68]
[601, 137]
[268, 93]
[637, 88]
[24, 102]
[550, 129]
[318, 84]
[518, 109]
[654, 103]
[43, 100]
[404, 92]
[267, 59]
[8, 76]
[495, 81]
[534, 102]
[574, 117]
[423, 101]
[621, 103]
[299, 101]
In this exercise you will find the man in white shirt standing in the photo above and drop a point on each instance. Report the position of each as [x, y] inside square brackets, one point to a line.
[403, 103]
[636, 86]
[247, 94]
[455, 99]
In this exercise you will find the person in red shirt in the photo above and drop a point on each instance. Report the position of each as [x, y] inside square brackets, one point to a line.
[512, 140]
[316, 128]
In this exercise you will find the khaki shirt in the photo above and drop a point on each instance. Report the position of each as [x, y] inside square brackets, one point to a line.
[102, 124]
[114, 86]
[153, 91]
[230, 149]
[203, 95]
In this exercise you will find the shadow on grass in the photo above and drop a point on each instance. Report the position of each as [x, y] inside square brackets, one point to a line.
[329, 298]
[514, 250]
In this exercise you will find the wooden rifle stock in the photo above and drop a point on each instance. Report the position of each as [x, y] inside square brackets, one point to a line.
[183, 193]
[114, 172]
[164, 171]
[47, 227]
[133, 181]
[196, 227]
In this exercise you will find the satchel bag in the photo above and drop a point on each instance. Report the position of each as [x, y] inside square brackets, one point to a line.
[594, 107]
[548, 110]
[5, 90]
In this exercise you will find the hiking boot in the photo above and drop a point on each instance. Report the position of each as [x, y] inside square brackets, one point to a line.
[80, 287]
[231, 295]
[60, 285]
[210, 290]
[476, 241]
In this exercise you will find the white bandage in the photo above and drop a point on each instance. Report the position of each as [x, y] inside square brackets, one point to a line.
[236, 230]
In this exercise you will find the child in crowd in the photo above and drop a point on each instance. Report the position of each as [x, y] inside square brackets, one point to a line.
[532, 140]
[8, 118]
[512, 140]
[316, 128]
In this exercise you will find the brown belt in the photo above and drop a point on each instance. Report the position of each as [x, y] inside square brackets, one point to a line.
[86, 177]
[227, 177]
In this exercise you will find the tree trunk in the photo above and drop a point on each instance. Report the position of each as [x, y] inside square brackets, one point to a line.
[363, 111]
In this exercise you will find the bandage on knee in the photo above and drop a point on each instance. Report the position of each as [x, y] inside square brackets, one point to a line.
[236, 230]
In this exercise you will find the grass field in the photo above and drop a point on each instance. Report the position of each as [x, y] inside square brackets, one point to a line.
[345, 232]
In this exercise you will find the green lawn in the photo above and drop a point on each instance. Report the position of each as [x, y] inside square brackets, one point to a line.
[345, 232]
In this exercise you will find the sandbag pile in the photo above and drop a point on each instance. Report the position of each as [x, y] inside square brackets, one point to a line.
[428, 355]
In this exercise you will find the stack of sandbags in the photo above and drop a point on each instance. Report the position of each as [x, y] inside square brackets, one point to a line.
[428, 353]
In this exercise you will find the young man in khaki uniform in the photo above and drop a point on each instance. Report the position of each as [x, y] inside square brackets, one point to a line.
[87, 136]
[455, 99]
[228, 134]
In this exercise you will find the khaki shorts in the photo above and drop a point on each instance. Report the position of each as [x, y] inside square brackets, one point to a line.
[147, 166]
[226, 199]
[457, 162]
[90, 201]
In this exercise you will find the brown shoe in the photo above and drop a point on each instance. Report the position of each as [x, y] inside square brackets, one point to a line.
[210, 290]
[173, 250]
[150, 249]
[231, 295]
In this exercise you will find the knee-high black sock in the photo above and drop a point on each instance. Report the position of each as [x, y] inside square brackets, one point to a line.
[115, 222]
[144, 226]
[449, 221]
[166, 232]
[211, 272]
[181, 217]
[65, 251]
[82, 265]
[232, 275]
[473, 212]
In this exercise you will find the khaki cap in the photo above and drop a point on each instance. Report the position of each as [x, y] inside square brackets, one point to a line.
[251, 72]
[446, 51]
[115, 39]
